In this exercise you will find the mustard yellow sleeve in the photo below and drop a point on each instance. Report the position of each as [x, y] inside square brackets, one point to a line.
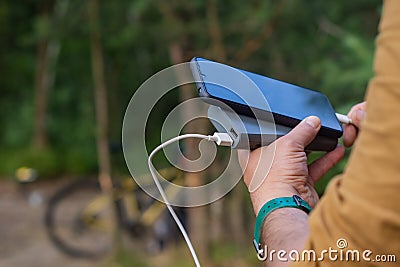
[362, 205]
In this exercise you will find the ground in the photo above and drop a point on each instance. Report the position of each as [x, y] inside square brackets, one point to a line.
[23, 238]
[24, 242]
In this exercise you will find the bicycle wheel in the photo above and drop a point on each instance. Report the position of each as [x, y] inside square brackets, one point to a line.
[80, 220]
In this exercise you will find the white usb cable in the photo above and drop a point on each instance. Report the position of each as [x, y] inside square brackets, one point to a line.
[221, 139]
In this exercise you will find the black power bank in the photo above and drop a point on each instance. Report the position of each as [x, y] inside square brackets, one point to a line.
[254, 95]
[249, 133]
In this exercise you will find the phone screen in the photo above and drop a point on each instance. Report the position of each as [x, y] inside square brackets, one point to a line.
[288, 103]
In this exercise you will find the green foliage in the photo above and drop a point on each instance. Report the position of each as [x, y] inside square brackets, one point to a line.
[45, 162]
[78, 161]
[327, 46]
[320, 186]
[48, 163]
[229, 254]
[323, 45]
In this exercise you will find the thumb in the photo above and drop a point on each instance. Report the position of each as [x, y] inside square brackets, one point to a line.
[304, 132]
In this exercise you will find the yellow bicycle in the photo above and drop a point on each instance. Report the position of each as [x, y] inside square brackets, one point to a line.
[81, 220]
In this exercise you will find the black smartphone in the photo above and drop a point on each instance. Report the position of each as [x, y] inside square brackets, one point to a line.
[287, 104]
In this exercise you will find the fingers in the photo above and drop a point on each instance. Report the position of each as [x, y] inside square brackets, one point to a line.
[321, 166]
[295, 141]
[303, 133]
[357, 115]
[349, 135]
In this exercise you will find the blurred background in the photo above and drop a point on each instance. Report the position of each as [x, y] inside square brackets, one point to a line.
[68, 70]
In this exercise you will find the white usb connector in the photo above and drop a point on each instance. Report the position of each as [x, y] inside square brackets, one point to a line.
[343, 119]
[222, 139]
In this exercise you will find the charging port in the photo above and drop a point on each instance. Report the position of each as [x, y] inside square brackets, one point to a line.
[234, 133]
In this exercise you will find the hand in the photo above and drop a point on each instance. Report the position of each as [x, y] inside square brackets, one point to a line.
[289, 173]
[350, 131]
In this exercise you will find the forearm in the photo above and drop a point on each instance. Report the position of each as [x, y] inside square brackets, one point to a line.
[285, 226]
[284, 231]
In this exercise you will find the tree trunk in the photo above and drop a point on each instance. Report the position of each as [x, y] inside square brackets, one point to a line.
[48, 50]
[253, 44]
[100, 95]
[41, 91]
[197, 217]
[218, 53]
[236, 209]
[214, 29]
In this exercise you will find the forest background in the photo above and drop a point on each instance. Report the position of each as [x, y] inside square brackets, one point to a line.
[68, 69]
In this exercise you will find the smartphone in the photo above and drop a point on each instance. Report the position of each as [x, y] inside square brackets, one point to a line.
[246, 93]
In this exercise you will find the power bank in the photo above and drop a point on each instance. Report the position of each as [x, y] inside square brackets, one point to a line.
[246, 132]
[252, 94]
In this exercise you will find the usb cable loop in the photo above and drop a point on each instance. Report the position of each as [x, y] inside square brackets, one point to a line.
[221, 139]
[277, 203]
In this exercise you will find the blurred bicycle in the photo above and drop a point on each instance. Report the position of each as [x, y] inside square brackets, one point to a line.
[80, 219]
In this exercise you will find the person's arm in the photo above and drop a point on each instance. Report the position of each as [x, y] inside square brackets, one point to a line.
[361, 207]
[286, 229]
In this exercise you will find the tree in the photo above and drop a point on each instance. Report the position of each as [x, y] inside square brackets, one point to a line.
[48, 50]
[103, 152]
[197, 217]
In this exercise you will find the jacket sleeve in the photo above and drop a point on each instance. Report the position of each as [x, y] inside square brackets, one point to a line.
[362, 206]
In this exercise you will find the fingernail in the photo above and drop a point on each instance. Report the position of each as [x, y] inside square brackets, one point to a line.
[313, 121]
[360, 114]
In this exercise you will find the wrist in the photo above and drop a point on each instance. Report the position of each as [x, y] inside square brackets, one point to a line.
[275, 205]
[269, 191]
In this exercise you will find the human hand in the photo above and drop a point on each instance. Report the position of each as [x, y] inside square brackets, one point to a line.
[289, 173]
[350, 131]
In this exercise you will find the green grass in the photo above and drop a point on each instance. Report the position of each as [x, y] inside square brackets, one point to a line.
[220, 255]
[125, 258]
